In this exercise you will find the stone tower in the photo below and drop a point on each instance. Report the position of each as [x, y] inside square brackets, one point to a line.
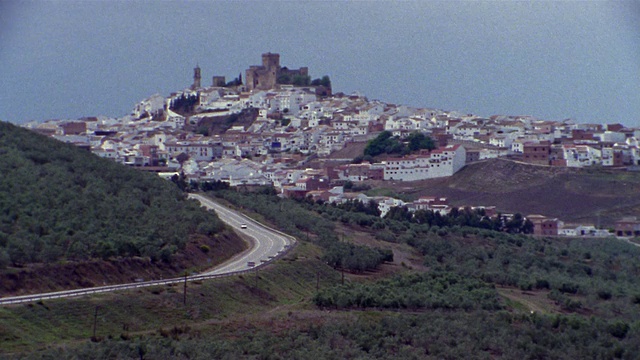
[218, 81]
[196, 78]
[265, 76]
[271, 61]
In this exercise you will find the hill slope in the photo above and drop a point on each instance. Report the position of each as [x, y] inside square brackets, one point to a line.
[60, 203]
[573, 195]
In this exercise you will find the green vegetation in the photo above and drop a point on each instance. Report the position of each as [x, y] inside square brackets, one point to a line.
[233, 318]
[235, 82]
[289, 217]
[324, 81]
[596, 274]
[58, 202]
[433, 335]
[354, 211]
[156, 310]
[298, 80]
[386, 143]
[433, 290]
[472, 298]
[184, 104]
[355, 258]
[303, 80]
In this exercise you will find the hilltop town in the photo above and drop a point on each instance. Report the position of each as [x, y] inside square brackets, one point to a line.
[279, 127]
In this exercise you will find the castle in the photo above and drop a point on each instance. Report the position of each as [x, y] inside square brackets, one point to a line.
[197, 79]
[265, 77]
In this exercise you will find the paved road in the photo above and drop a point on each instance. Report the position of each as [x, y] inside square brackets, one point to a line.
[267, 243]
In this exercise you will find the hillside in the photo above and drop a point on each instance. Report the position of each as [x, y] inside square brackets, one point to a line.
[69, 218]
[480, 294]
[573, 195]
[216, 125]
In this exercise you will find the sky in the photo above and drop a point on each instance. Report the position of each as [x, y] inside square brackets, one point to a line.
[550, 59]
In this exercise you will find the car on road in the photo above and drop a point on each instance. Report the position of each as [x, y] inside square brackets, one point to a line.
[243, 226]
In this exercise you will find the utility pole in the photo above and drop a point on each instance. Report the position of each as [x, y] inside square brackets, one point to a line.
[256, 277]
[95, 322]
[184, 300]
[317, 281]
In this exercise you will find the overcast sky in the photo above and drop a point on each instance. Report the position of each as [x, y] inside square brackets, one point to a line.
[552, 60]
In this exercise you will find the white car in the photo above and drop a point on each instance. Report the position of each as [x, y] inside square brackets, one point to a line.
[243, 226]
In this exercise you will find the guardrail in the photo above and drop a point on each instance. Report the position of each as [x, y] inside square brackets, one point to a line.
[101, 289]
[96, 290]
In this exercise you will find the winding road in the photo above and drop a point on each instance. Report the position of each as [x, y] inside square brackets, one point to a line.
[267, 244]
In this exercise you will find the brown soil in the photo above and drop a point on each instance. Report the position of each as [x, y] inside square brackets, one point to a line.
[217, 125]
[405, 257]
[72, 275]
[575, 195]
[535, 301]
[350, 151]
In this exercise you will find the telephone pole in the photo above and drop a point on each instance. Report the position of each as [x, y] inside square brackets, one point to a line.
[256, 277]
[184, 299]
[95, 322]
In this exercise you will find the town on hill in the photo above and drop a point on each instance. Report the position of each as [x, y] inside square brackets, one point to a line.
[276, 126]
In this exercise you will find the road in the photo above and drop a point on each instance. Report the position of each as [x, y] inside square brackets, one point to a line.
[267, 244]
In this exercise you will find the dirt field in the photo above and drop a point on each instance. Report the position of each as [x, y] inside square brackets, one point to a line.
[589, 196]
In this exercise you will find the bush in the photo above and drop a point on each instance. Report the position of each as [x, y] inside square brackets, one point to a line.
[618, 329]
[569, 288]
[542, 284]
[604, 294]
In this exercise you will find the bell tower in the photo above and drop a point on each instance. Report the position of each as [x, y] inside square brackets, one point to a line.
[196, 78]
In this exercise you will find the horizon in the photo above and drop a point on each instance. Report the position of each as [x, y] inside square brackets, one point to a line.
[549, 60]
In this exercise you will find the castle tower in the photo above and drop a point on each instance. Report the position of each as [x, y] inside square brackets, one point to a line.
[218, 81]
[271, 61]
[196, 78]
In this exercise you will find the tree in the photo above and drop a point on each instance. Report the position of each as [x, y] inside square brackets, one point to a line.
[300, 80]
[203, 130]
[380, 144]
[417, 141]
[527, 227]
[514, 225]
[348, 185]
[386, 143]
[324, 81]
[180, 181]
[284, 79]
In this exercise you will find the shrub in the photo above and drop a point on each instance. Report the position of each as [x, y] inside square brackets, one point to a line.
[604, 294]
[618, 329]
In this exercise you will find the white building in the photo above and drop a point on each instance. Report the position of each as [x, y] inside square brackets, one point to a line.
[439, 163]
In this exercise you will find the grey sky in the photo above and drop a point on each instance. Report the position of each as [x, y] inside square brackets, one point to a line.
[552, 60]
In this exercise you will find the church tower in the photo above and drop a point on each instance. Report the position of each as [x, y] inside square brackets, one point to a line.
[196, 78]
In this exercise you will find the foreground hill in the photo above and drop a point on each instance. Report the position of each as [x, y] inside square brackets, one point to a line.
[465, 293]
[573, 195]
[70, 210]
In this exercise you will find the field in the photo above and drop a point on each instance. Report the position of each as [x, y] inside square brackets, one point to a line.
[588, 196]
